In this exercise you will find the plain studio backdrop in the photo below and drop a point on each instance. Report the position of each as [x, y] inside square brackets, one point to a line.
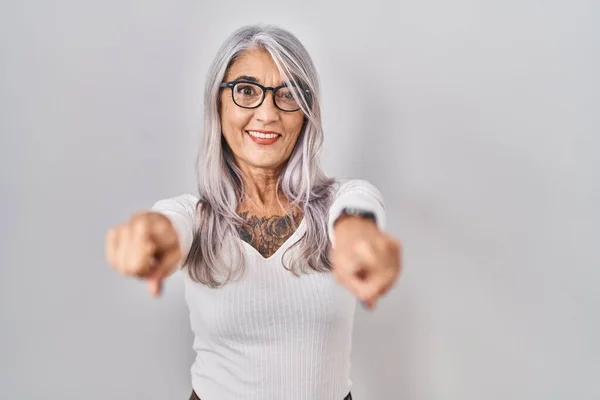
[479, 121]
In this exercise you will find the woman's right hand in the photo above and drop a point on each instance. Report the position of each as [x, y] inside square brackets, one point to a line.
[146, 246]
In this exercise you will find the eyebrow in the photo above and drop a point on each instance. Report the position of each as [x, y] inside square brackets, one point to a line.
[253, 79]
[246, 78]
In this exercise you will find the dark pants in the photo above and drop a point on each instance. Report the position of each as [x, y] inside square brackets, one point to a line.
[194, 396]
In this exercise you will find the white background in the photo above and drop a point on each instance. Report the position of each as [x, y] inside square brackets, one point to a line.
[479, 121]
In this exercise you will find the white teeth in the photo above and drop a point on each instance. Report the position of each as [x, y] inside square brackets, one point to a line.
[263, 135]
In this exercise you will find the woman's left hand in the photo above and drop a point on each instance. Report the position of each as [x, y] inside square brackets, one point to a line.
[365, 260]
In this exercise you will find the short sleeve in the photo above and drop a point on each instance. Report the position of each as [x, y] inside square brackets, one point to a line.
[356, 193]
[181, 211]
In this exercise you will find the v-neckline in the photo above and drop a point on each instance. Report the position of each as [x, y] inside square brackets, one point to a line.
[285, 244]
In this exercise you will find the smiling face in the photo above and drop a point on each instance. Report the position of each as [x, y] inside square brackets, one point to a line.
[261, 139]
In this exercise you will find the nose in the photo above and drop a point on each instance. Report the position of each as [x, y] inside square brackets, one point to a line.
[267, 111]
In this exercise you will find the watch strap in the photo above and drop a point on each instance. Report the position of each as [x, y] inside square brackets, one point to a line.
[358, 212]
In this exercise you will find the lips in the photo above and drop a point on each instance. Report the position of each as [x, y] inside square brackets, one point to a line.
[263, 137]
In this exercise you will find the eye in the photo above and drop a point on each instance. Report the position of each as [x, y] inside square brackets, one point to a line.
[246, 89]
[286, 94]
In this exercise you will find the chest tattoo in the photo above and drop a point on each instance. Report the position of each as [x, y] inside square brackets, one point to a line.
[267, 234]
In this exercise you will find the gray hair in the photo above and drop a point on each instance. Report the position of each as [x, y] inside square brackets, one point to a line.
[220, 183]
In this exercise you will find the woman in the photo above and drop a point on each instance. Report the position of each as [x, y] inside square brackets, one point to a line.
[268, 236]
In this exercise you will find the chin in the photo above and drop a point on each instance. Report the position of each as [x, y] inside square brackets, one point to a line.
[267, 165]
[264, 163]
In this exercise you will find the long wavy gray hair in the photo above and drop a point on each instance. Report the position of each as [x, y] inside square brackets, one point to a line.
[220, 183]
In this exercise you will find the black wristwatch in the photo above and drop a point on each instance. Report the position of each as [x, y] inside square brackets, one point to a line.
[358, 212]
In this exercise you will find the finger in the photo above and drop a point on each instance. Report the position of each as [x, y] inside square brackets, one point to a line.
[144, 260]
[370, 304]
[118, 250]
[366, 258]
[125, 239]
[155, 287]
[110, 248]
[162, 231]
[383, 270]
[372, 301]
[367, 252]
[141, 252]
[385, 289]
[341, 267]
[358, 270]
[338, 264]
[163, 268]
[380, 283]
[348, 272]
[391, 251]
[392, 262]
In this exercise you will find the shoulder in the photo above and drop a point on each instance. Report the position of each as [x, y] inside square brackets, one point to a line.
[181, 204]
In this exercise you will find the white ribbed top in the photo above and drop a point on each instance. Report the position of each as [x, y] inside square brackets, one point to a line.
[272, 335]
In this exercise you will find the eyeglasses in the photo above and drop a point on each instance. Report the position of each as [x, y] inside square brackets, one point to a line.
[248, 94]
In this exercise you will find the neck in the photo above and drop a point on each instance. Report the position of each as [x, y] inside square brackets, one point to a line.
[261, 192]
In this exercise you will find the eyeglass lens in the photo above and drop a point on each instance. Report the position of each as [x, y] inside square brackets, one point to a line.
[249, 95]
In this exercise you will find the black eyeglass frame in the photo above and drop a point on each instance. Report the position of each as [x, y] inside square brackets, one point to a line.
[232, 84]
